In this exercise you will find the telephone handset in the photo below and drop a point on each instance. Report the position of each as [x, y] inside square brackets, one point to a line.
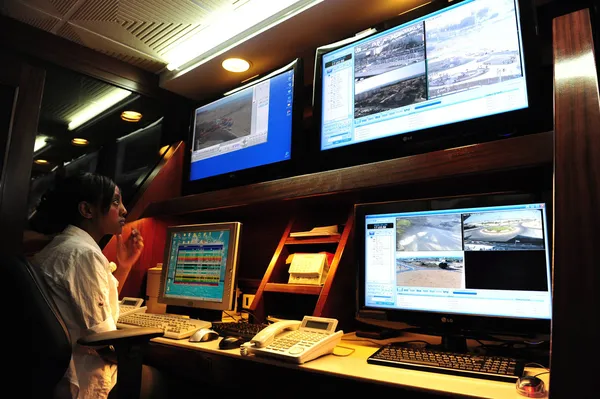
[266, 336]
[295, 341]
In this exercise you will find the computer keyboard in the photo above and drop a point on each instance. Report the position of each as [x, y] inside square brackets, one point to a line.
[176, 327]
[240, 329]
[467, 365]
[125, 310]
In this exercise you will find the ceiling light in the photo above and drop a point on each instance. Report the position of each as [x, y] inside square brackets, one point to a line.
[131, 116]
[278, 71]
[40, 142]
[78, 141]
[97, 107]
[41, 162]
[235, 65]
[163, 149]
[231, 29]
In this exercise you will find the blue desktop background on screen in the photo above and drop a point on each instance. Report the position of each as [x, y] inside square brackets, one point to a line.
[278, 146]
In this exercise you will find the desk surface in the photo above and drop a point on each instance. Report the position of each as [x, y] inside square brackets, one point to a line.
[354, 366]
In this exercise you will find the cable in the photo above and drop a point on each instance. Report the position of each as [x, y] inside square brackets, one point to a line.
[352, 350]
[228, 314]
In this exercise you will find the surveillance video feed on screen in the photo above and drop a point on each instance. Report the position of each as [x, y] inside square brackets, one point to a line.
[228, 122]
[460, 63]
[248, 128]
[494, 260]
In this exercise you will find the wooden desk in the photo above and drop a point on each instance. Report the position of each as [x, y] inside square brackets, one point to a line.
[198, 366]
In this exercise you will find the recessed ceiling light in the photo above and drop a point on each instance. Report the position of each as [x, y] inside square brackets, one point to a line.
[236, 65]
[78, 141]
[131, 116]
[41, 162]
[163, 149]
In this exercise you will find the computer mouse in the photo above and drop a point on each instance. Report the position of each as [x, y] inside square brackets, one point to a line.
[531, 387]
[231, 342]
[204, 335]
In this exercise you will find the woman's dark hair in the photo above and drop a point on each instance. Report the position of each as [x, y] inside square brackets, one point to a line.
[59, 206]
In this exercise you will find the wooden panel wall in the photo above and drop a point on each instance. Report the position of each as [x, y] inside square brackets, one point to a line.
[576, 209]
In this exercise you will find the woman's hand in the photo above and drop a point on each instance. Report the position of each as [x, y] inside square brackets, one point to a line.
[129, 251]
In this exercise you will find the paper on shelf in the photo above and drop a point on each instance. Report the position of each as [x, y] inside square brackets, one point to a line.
[317, 232]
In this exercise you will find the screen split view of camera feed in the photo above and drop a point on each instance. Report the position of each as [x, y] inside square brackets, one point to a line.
[460, 63]
[249, 128]
[493, 260]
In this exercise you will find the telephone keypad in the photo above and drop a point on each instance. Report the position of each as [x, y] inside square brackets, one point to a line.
[298, 339]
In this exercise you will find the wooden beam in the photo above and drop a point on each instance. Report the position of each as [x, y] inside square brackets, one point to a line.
[576, 275]
[506, 154]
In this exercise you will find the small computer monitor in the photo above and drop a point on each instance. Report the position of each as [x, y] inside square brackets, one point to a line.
[200, 265]
[249, 134]
[469, 266]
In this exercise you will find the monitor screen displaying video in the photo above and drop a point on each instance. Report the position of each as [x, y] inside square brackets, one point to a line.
[460, 63]
[490, 260]
[246, 129]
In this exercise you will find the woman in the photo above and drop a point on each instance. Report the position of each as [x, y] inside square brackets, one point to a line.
[83, 209]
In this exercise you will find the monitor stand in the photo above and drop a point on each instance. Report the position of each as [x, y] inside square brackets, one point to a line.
[195, 313]
[452, 343]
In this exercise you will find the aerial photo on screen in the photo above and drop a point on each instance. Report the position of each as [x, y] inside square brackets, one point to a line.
[389, 71]
[471, 46]
[429, 233]
[226, 120]
[504, 231]
[434, 269]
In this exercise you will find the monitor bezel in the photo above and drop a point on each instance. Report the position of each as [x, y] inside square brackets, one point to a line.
[228, 302]
[537, 117]
[440, 323]
[256, 174]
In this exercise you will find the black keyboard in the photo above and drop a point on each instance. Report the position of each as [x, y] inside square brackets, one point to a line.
[467, 365]
[239, 329]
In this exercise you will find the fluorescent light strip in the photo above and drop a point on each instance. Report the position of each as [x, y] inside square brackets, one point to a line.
[230, 32]
[40, 142]
[97, 107]
[288, 66]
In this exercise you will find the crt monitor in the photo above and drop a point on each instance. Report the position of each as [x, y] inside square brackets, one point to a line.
[425, 78]
[248, 134]
[200, 265]
[458, 267]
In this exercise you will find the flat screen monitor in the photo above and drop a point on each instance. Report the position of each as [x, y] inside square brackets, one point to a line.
[248, 134]
[200, 265]
[411, 82]
[471, 265]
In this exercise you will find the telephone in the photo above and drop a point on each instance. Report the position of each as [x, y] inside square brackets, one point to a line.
[295, 341]
[131, 305]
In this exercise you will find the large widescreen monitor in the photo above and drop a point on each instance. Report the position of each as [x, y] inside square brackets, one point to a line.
[248, 134]
[477, 264]
[460, 63]
[200, 266]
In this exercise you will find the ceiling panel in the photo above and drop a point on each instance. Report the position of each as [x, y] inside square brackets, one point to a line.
[140, 32]
[135, 31]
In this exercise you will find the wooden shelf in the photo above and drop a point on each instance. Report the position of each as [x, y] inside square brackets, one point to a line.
[504, 154]
[314, 240]
[293, 288]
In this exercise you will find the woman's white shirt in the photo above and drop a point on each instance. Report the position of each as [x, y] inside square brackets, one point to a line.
[86, 294]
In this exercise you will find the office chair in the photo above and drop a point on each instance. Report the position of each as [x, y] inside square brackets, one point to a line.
[42, 356]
